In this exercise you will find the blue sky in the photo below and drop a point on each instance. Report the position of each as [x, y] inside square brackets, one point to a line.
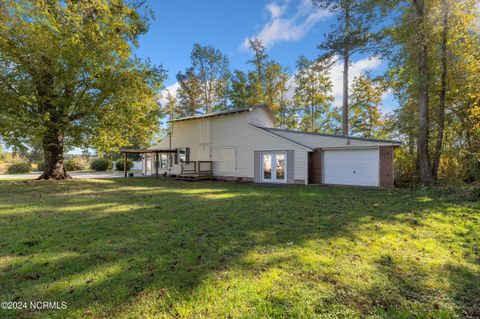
[288, 28]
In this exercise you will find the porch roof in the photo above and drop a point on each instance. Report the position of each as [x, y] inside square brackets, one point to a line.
[132, 151]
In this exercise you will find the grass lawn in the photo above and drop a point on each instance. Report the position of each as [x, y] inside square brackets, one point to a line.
[141, 247]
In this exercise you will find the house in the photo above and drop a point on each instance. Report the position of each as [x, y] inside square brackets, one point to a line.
[243, 145]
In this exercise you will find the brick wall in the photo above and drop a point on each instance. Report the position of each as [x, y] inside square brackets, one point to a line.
[386, 167]
[315, 166]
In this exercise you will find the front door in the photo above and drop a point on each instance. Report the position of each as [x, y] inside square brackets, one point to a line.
[274, 168]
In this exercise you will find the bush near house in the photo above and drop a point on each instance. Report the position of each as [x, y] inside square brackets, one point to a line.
[77, 164]
[41, 166]
[19, 168]
[101, 164]
[119, 164]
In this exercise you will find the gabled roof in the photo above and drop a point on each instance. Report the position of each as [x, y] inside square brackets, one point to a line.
[300, 137]
[219, 113]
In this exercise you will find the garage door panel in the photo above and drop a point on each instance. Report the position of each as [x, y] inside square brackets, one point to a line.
[351, 167]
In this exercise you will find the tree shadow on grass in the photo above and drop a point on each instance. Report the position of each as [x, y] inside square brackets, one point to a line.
[166, 236]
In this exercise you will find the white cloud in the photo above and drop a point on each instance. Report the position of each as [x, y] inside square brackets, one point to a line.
[336, 76]
[172, 89]
[356, 68]
[275, 9]
[280, 28]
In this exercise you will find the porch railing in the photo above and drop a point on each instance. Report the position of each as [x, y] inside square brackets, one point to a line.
[196, 167]
[205, 168]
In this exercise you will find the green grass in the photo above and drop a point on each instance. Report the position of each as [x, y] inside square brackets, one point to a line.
[147, 248]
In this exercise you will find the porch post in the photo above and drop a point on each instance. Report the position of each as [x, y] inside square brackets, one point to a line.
[125, 164]
[156, 164]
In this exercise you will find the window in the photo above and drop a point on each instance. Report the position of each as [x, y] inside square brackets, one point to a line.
[163, 161]
[183, 154]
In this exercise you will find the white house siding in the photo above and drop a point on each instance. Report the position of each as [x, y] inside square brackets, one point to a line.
[230, 136]
[261, 117]
[235, 132]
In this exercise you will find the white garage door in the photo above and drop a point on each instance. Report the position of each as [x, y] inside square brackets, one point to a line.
[351, 167]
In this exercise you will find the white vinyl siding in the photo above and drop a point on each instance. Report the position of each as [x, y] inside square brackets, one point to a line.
[234, 131]
[228, 131]
[203, 127]
[351, 167]
[227, 162]
[260, 117]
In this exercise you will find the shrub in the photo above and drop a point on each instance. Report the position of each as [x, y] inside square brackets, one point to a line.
[472, 167]
[101, 164]
[405, 167]
[77, 164]
[19, 168]
[119, 164]
[41, 166]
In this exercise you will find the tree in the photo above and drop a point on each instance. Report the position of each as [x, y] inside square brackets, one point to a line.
[420, 10]
[67, 76]
[171, 109]
[286, 114]
[189, 93]
[352, 34]
[257, 78]
[211, 67]
[238, 93]
[313, 94]
[436, 97]
[365, 116]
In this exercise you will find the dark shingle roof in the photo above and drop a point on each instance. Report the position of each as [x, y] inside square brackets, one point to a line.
[273, 130]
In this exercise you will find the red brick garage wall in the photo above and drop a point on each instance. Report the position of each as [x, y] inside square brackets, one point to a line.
[386, 167]
[315, 166]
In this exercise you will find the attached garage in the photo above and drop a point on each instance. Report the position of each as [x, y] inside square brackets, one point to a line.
[342, 160]
[359, 167]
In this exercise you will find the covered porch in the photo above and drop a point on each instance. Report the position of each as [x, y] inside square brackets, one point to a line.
[189, 170]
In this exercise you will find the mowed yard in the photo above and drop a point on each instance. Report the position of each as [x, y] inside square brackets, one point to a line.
[143, 247]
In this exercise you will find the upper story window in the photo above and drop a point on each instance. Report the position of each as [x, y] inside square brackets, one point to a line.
[183, 154]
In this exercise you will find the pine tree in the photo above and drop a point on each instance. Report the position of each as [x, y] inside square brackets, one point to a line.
[351, 34]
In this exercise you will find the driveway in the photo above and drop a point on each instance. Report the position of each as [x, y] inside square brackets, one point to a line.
[80, 175]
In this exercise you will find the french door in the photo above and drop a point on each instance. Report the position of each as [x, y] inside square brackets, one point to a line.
[274, 168]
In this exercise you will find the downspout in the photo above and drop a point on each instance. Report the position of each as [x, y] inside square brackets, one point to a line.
[170, 148]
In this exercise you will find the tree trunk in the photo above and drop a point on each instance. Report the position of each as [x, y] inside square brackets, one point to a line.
[53, 154]
[425, 172]
[443, 93]
[346, 60]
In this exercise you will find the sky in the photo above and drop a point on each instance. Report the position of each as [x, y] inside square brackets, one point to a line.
[288, 28]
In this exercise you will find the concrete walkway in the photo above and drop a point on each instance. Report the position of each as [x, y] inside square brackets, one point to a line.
[80, 175]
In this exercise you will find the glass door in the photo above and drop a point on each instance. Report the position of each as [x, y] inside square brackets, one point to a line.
[274, 168]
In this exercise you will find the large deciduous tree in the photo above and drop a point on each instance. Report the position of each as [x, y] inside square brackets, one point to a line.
[189, 93]
[434, 75]
[67, 75]
[313, 95]
[365, 116]
[207, 78]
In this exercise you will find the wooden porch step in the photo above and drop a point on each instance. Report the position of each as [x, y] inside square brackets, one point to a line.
[193, 177]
